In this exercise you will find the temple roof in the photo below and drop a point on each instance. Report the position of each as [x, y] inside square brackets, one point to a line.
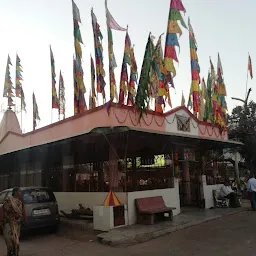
[9, 123]
[109, 115]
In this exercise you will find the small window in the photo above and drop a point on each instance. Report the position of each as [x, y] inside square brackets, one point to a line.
[2, 197]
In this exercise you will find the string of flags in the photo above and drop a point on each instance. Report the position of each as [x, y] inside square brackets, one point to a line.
[133, 78]
[62, 98]
[207, 100]
[112, 25]
[98, 49]
[8, 85]
[173, 29]
[250, 66]
[79, 87]
[161, 78]
[55, 100]
[195, 72]
[124, 71]
[35, 112]
[92, 92]
[19, 88]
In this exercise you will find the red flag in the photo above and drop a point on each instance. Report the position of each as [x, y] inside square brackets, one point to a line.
[177, 4]
[250, 66]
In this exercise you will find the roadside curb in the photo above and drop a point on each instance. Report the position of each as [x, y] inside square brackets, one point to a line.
[117, 241]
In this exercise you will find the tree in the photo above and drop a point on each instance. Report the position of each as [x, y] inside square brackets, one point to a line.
[242, 126]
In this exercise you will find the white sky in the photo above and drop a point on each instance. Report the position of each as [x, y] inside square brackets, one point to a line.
[30, 26]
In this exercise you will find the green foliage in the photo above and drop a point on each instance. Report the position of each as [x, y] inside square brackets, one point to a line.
[242, 126]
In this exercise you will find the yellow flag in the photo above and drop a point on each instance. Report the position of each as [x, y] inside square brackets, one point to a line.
[168, 63]
[173, 27]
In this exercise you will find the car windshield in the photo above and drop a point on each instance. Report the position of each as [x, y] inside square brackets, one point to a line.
[32, 196]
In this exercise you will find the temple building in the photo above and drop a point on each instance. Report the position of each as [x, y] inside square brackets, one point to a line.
[111, 148]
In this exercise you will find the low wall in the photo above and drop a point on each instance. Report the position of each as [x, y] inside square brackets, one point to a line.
[70, 200]
[207, 192]
[170, 196]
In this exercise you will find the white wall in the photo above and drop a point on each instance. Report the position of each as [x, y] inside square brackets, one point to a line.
[171, 123]
[70, 200]
[207, 190]
[170, 196]
[103, 217]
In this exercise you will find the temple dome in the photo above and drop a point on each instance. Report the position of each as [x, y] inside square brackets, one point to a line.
[9, 123]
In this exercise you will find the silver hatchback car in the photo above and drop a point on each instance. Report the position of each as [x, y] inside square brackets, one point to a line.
[40, 205]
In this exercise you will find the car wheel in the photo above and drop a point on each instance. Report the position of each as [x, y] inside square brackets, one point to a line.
[55, 228]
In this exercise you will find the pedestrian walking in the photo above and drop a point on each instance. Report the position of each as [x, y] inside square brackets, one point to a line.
[13, 213]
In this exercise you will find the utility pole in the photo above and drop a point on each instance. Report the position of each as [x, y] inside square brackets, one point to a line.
[245, 102]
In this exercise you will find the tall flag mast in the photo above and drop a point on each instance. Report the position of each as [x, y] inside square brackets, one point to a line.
[55, 100]
[112, 24]
[79, 88]
[100, 72]
[133, 79]
[35, 112]
[195, 70]
[171, 37]
[124, 72]
[92, 93]
[62, 99]
[8, 86]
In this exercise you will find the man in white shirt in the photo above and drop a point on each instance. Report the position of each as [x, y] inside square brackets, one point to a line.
[251, 189]
[227, 192]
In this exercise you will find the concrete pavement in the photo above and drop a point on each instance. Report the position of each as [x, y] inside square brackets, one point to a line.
[130, 235]
[229, 235]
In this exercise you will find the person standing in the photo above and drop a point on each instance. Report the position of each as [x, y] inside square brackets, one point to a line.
[13, 213]
[251, 189]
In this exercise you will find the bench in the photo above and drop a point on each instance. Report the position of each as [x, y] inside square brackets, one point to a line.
[218, 200]
[151, 209]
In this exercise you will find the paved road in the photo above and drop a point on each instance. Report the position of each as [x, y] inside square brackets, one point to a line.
[230, 235]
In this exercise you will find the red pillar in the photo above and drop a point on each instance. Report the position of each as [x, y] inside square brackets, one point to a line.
[186, 182]
[113, 174]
